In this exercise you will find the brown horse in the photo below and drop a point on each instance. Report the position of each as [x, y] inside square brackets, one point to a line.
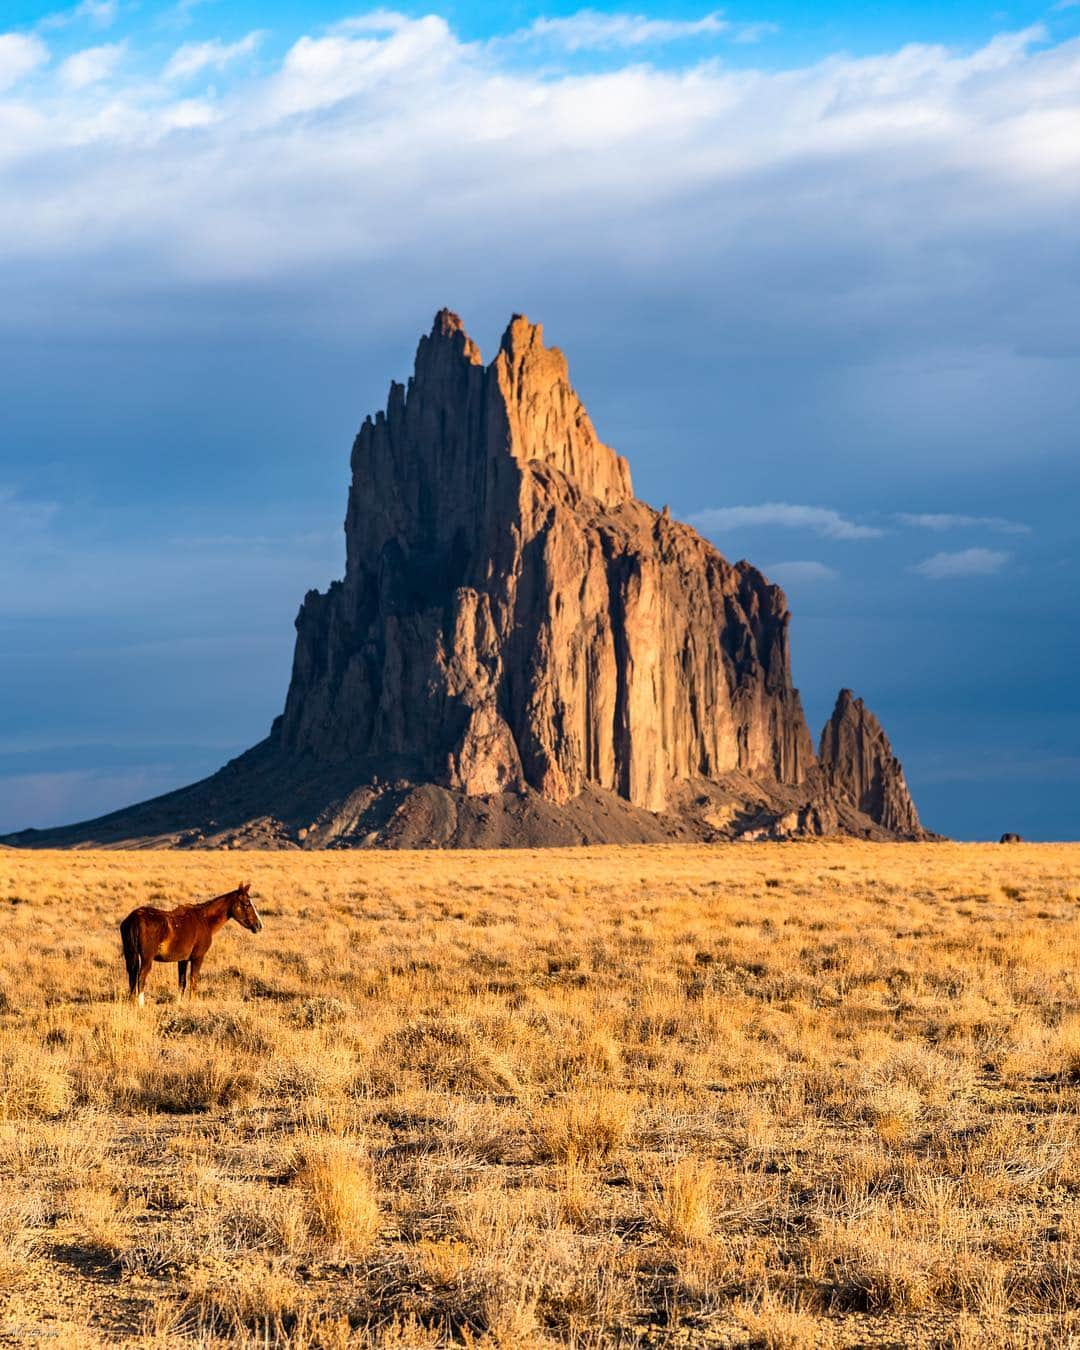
[183, 935]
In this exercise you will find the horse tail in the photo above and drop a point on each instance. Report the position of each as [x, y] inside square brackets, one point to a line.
[132, 955]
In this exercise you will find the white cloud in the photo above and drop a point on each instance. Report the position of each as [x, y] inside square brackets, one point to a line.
[969, 562]
[19, 56]
[942, 521]
[194, 57]
[99, 13]
[322, 73]
[375, 21]
[591, 30]
[753, 32]
[181, 12]
[398, 144]
[796, 573]
[830, 524]
[93, 65]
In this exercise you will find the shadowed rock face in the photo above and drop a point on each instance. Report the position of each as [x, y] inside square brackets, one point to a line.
[858, 764]
[520, 652]
[511, 616]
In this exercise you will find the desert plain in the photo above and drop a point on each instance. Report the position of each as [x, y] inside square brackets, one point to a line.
[814, 1093]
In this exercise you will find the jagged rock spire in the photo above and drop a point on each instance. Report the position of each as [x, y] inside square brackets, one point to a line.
[859, 765]
[546, 421]
[520, 652]
[512, 617]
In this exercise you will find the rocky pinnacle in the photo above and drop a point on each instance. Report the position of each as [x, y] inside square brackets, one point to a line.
[512, 616]
[521, 652]
[858, 763]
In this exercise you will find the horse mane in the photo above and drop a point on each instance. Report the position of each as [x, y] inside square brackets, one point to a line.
[202, 904]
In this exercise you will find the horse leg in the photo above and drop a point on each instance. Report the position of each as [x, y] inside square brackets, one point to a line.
[146, 961]
[182, 975]
[194, 966]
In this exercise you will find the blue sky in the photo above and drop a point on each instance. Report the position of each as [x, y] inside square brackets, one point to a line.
[816, 269]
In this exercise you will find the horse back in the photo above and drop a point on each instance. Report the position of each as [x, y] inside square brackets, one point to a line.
[148, 927]
[146, 916]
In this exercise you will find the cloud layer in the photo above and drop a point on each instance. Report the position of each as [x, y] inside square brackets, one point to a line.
[191, 59]
[19, 55]
[591, 30]
[968, 562]
[718, 520]
[104, 153]
[798, 573]
[941, 521]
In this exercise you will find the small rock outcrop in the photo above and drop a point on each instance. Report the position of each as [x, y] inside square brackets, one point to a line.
[1009, 838]
[858, 767]
[521, 652]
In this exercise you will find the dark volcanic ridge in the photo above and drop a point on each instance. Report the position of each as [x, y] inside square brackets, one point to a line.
[521, 653]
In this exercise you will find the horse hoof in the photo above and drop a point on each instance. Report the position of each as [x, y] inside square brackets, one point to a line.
[142, 1000]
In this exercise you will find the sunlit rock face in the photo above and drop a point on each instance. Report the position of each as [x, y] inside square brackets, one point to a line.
[512, 616]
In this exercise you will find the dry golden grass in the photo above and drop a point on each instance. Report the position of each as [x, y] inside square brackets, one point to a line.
[767, 1095]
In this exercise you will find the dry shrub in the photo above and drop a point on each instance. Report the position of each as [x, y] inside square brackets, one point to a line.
[245, 1295]
[318, 1012]
[584, 1127]
[341, 1196]
[580, 1198]
[33, 1085]
[195, 1082]
[408, 1333]
[309, 1073]
[20, 1218]
[774, 1325]
[228, 1027]
[681, 1205]
[449, 1055]
[101, 1218]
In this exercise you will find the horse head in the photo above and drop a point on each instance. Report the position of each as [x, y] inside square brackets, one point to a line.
[242, 910]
